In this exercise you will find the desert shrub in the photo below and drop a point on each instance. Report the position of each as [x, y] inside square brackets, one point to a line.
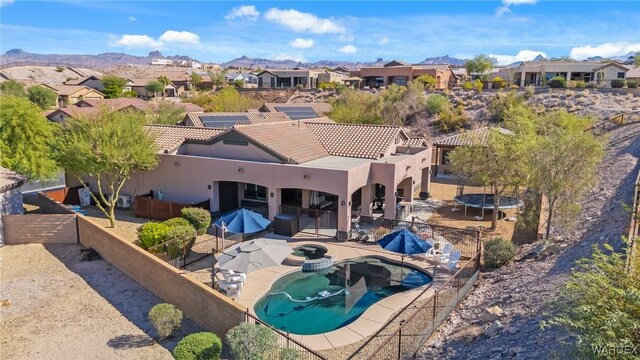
[151, 234]
[599, 304]
[580, 84]
[179, 239]
[199, 218]
[451, 120]
[165, 318]
[130, 94]
[529, 91]
[617, 83]
[468, 85]
[557, 82]
[12, 88]
[500, 104]
[428, 81]
[498, 83]
[436, 103]
[498, 252]
[177, 221]
[59, 69]
[514, 87]
[356, 107]
[251, 342]
[198, 346]
[229, 99]
[327, 85]
[239, 84]
[478, 85]
[42, 96]
[299, 86]
[590, 86]
[289, 354]
[632, 84]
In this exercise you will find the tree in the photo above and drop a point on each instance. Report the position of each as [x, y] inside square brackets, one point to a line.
[196, 79]
[218, 79]
[26, 138]
[563, 164]
[428, 81]
[43, 97]
[166, 113]
[353, 106]
[164, 81]
[239, 84]
[225, 100]
[113, 86]
[107, 147]
[481, 64]
[154, 86]
[636, 59]
[396, 103]
[12, 88]
[251, 342]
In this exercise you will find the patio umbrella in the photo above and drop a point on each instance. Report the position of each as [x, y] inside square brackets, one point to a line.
[254, 255]
[242, 221]
[404, 242]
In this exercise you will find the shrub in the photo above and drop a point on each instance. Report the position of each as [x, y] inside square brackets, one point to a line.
[327, 85]
[436, 103]
[632, 84]
[468, 85]
[251, 342]
[478, 85]
[59, 69]
[498, 252]
[178, 221]
[428, 81]
[166, 319]
[557, 82]
[289, 354]
[130, 94]
[239, 84]
[498, 83]
[198, 346]
[179, 239]
[590, 86]
[500, 105]
[43, 97]
[617, 83]
[451, 120]
[151, 234]
[580, 84]
[199, 218]
[529, 91]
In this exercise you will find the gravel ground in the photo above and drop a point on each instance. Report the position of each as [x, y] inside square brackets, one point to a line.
[524, 289]
[64, 308]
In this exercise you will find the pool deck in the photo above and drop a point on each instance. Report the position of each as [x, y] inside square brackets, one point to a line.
[259, 282]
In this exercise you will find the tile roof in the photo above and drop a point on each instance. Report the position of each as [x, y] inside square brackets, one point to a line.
[10, 180]
[194, 118]
[66, 90]
[320, 108]
[415, 142]
[80, 80]
[169, 137]
[356, 140]
[633, 73]
[288, 139]
[114, 104]
[477, 137]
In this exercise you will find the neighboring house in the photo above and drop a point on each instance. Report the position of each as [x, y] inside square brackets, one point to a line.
[633, 73]
[139, 86]
[163, 62]
[10, 196]
[284, 79]
[71, 94]
[400, 73]
[296, 111]
[276, 165]
[538, 73]
[332, 76]
[27, 83]
[93, 82]
[444, 146]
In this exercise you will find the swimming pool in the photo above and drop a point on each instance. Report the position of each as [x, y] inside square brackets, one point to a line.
[313, 303]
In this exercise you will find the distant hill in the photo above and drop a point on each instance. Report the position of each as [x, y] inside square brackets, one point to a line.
[621, 58]
[254, 63]
[443, 60]
[17, 57]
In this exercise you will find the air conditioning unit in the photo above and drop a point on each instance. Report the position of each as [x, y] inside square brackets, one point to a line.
[124, 201]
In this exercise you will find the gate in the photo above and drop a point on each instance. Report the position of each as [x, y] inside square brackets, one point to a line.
[313, 221]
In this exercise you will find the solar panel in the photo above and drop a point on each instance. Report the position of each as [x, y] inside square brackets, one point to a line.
[224, 121]
[298, 112]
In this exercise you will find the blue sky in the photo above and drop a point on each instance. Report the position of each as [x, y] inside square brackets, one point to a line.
[316, 30]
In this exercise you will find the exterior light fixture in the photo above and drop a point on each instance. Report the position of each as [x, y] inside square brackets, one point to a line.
[241, 170]
[342, 203]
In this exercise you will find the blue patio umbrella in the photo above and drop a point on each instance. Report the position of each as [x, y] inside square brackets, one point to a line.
[242, 221]
[404, 242]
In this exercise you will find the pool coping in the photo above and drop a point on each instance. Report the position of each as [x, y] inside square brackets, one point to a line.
[370, 321]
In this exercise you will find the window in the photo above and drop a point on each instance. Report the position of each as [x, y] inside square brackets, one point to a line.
[620, 75]
[255, 192]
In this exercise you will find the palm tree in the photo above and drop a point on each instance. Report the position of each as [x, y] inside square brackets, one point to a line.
[165, 82]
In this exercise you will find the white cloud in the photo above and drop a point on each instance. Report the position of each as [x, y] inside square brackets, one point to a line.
[132, 19]
[294, 57]
[136, 41]
[246, 12]
[348, 49]
[383, 40]
[506, 6]
[4, 3]
[303, 22]
[522, 55]
[183, 37]
[301, 43]
[345, 37]
[604, 50]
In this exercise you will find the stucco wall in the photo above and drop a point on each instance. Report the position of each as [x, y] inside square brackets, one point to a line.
[10, 204]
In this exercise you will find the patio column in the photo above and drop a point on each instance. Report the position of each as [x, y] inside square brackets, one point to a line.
[407, 189]
[425, 182]
[306, 198]
[273, 201]
[367, 199]
[214, 204]
[390, 200]
[522, 76]
[344, 217]
[292, 82]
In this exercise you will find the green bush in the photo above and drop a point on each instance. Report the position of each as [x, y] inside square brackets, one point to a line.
[130, 94]
[179, 238]
[617, 83]
[478, 85]
[428, 81]
[151, 234]
[468, 85]
[327, 85]
[498, 252]
[500, 105]
[289, 354]
[580, 84]
[557, 82]
[632, 84]
[199, 218]
[436, 103]
[451, 120]
[251, 342]
[166, 319]
[198, 346]
[498, 83]
[178, 221]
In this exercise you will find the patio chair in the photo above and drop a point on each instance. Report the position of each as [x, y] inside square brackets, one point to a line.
[231, 288]
[232, 276]
[451, 261]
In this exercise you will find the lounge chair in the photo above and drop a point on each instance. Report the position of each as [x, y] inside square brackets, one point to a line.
[232, 276]
[450, 262]
[231, 288]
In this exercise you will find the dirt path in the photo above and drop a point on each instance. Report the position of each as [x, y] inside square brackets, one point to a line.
[524, 289]
[65, 308]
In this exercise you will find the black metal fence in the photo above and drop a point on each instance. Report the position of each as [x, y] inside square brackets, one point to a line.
[285, 341]
[313, 221]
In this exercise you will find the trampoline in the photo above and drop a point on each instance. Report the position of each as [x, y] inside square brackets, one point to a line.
[486, 202]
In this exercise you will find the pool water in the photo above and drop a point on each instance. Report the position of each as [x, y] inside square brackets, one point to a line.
[309, 252]
[313, 303]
